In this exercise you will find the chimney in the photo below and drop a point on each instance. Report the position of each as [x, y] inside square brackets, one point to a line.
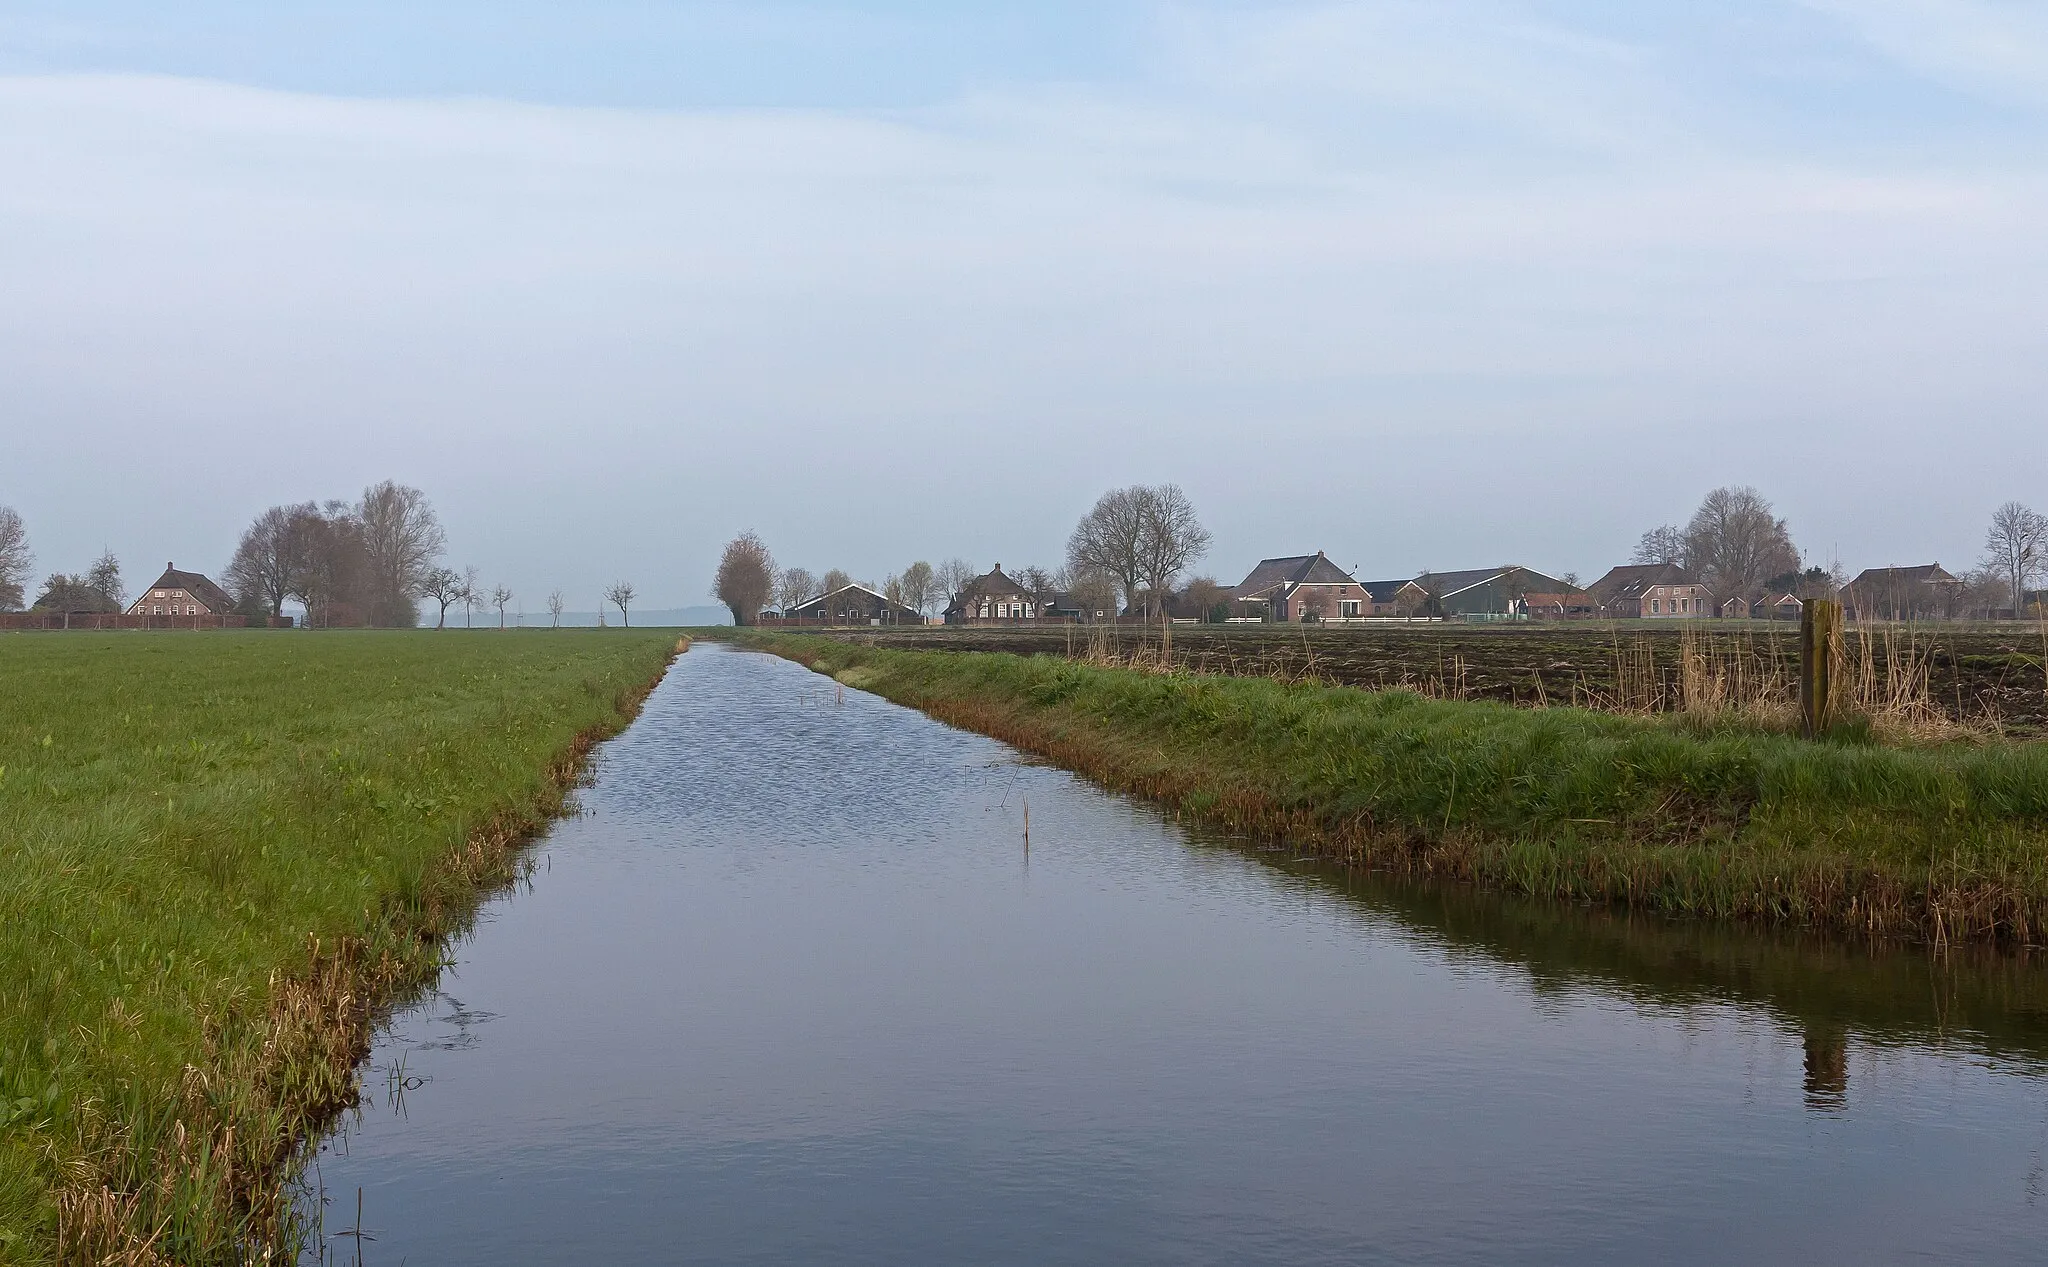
[170, 567]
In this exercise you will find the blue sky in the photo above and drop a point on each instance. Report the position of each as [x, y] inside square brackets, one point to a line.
[1423, 284]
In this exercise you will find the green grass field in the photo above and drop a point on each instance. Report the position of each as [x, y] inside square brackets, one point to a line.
[1945, 841]
[220, 853]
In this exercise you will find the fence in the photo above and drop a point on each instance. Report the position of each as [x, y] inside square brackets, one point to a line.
[58, 621]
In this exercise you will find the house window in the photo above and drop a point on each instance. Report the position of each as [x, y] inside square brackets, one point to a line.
[1656, 608]
[1348, 607]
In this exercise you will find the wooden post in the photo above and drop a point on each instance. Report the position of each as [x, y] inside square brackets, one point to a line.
[1820, 650]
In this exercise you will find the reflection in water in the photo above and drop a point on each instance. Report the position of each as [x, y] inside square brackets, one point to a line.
[795, 988]
[1827, 1069]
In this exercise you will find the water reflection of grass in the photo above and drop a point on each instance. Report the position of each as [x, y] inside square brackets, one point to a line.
[1947, 843]
[219, 853]
[1825, 986]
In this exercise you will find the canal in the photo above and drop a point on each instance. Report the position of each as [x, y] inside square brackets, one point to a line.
[794, 988]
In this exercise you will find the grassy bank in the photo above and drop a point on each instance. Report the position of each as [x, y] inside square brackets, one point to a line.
[1944, 842]
[220, 855]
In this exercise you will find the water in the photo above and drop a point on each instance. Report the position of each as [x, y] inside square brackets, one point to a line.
[794, 990]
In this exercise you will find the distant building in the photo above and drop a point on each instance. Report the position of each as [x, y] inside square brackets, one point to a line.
[1654, 591]
[1401, 597]
[1302, 587]
[992, 598]
[1921, 592]
[854, 605]
[1485, 592]
[1068, 606]
[1777, 605]
[1571, 605]
[178, 593]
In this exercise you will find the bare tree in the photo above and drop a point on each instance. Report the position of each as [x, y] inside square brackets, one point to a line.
[793, 587]
[402, 538]
[892, 588]
[335, 579]
[836, 579]
[746, 576]
[500, 595]
[1092, 590]
[1174, 538]
[1664, 544]
[555, 606]
[1111, 538]
[1202, 597]
[16, 560]
[951, 577]
[1037, 580]
[1735, 542]
[105, 576]
[917, 586]
[620, 595]
[2017, 548]
[472, 594]
[444, 586]
[271, 560]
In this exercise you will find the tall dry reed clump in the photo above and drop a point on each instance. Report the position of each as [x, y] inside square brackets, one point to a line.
[1711, 676]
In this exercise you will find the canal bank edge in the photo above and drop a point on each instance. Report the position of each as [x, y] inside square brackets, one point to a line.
[1941, 844]
[198, 1165]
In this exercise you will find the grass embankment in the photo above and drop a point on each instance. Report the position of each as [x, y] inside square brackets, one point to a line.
[220, 855]
[1677, 815]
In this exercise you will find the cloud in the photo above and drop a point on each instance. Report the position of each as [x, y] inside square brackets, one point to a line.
[1993, 48]
[1340, 231]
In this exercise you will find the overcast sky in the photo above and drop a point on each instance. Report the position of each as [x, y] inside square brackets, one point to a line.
[1426, 285]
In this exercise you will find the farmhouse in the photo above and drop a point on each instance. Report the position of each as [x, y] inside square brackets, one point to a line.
[1924, 591]
[854, 605]
[1485, 592]
[992, 598]
[178, 593]
[1653, 591]
[1303, 587]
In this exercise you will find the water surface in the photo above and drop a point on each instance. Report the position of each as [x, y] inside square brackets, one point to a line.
[794, 989]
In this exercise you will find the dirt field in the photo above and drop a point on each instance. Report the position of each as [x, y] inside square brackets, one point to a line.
[1984, 674]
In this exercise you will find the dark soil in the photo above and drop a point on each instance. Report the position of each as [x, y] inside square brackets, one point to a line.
[1977, 672]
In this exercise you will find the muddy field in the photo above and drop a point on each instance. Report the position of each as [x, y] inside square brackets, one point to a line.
[1985, 675]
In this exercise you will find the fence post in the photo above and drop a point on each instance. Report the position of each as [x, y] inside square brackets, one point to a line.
[1820, 651]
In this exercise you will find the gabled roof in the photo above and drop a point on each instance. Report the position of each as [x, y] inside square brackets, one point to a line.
[1630, 580]
[1295, 569]
[994, 584]
[1920, 574]
[194, 584]
[809, 602]
[1445, 584]
[1385, 591]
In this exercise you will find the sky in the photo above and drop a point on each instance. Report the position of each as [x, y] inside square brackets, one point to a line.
[1429, 284]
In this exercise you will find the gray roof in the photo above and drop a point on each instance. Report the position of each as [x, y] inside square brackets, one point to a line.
[1445, 584]
[1296, 569]
[1631, 579]
[1920, 573]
